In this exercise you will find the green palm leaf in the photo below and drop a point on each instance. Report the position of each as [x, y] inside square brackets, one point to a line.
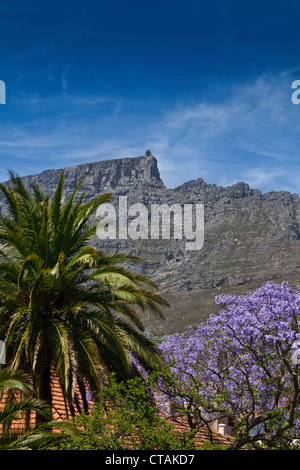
[66, 306]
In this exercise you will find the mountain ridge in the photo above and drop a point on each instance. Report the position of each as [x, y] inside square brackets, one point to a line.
[249, 237]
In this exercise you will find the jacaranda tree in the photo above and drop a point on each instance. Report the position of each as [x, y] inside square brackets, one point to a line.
[242, 364]
[65, 306]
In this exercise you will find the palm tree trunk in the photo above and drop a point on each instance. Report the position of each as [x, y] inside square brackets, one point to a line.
[82, 390]
[44, 391]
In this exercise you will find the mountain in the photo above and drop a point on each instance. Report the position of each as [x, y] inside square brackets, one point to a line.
[249, 237]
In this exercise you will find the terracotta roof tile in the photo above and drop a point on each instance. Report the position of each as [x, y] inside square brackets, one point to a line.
[202, 435]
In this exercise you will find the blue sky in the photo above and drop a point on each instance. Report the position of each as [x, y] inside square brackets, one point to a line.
[205, 85]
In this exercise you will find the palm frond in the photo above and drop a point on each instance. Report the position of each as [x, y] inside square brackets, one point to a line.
[66, 305]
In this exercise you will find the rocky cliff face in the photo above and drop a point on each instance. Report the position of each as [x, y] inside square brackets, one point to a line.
[249, 237]
[117, 176]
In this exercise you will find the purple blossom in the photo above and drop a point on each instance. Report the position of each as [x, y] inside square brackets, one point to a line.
[239, 362]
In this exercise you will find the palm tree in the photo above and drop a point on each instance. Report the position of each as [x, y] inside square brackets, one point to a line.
[17, 387]
[66, 306]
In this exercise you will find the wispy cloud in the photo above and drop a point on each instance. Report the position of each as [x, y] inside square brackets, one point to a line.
[255, 125]
[249, 132]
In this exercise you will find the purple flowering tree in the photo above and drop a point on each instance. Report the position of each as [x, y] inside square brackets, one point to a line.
[242, 365]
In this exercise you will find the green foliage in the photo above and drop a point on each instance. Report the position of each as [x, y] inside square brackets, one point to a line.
[65, 305]
[212, 446]
[125, 418]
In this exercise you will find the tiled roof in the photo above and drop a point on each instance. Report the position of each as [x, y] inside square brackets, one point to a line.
[60, 409]
[202, 436]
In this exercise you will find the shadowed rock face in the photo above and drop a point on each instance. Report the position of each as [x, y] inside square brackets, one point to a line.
[250, 237]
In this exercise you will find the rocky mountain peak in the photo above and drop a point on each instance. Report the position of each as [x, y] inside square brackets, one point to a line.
[249, 237]
[116, 175]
